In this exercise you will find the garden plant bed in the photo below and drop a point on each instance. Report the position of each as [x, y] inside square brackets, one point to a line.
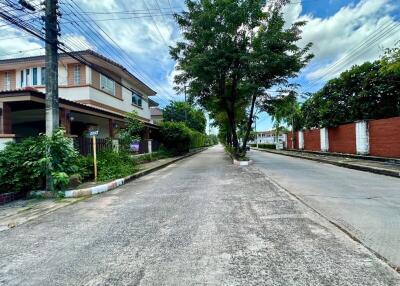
[93, 188]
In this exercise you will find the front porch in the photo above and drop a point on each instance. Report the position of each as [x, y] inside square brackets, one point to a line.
[22, 115]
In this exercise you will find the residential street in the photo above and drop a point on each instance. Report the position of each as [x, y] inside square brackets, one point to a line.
[367, 205]
[197, 222]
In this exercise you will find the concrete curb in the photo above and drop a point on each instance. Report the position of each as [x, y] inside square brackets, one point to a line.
[122, 181]
[379, 171]
[345, 155]
[242, 163]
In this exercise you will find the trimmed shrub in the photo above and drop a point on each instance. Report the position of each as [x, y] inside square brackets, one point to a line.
[113, 165]
[197, 139]
[176, 137]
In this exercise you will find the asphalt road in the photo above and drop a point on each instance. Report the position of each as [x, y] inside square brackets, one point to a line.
[365, 204]
[202, 221]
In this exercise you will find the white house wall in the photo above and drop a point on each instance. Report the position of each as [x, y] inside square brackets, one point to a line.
[127, 99]
[75, 93]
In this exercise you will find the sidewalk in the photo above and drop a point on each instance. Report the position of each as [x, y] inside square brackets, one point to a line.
[388, 168]
[21, 211]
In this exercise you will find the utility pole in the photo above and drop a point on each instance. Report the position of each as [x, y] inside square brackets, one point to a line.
[51, 58]
[51, 27]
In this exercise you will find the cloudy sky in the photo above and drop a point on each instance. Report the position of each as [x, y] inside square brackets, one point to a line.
[137, 33]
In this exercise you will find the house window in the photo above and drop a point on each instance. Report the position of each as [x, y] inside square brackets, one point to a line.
[34, 76]
[22, 78]
[107, 84]
[7, 81]
[43, 76]
[77, 74]
[136, 99]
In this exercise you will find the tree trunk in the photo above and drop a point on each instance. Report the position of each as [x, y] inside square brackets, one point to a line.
[232, 127]
[249, 124]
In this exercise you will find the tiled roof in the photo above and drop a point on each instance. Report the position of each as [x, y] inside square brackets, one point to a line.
[34, 92]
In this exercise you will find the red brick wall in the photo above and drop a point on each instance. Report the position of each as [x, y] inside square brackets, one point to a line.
[384, 137]
[342, 139]
[312, 140]
[290, 141]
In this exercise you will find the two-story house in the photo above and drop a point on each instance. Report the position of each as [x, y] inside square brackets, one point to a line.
[94, 95]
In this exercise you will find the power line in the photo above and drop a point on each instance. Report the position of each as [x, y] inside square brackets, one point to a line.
[357, 51]
[20, 52]
[13, 20]
[137, 11]
[126, 58]
[90, 28]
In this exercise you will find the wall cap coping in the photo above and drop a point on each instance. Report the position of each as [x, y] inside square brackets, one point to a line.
[8, 136]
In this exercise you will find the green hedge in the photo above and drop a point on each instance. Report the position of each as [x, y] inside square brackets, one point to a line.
[265, 146]
[197, 139]
[179, 139]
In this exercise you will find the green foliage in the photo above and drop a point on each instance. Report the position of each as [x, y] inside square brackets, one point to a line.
[60, 180]
[145, 158]
[132, 130]
[390, 62]
[285, 109]
[23, 165]
[113, 165]
[184, 112]
[197, 139]
[212, 139]
[176, 137]
[179, 139]
[367, 91]
[265, 146]
[226, 65]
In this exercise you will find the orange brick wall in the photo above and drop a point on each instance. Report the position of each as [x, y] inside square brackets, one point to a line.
[342, 139]
[312, 140]
[384, 137]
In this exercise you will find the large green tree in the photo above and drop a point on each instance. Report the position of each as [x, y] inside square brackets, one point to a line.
[178, 111]
[367, 91]
[232, 52]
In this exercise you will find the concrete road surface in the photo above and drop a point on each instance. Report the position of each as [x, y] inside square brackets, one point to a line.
[367, 205]
[202, 221]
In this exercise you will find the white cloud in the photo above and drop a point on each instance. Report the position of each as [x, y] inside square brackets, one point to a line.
[334, 37]
[14, 44]
[77, 42]
[144, 38]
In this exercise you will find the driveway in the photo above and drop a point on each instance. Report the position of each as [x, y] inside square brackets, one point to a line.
[201, 221]
[365, 204]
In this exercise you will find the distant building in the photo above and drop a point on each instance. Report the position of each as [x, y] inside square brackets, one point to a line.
[156, 115]
[268, 137]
